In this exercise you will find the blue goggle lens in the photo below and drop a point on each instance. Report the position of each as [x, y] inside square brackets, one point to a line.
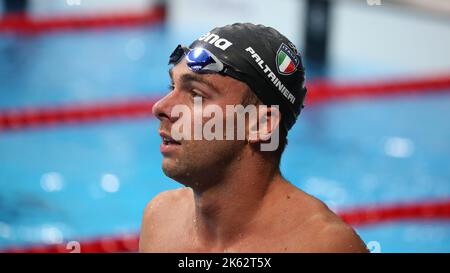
[199, 59]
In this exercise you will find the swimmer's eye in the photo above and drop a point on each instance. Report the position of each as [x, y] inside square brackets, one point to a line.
[195, 94]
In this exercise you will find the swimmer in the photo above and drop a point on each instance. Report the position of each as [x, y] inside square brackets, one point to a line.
[235, 198]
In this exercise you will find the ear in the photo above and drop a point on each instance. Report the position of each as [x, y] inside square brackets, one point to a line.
[267, 124]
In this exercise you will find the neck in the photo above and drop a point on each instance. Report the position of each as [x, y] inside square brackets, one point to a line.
[224, 212]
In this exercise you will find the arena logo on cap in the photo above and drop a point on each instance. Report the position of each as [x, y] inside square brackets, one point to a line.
[215, 40]
[287, 60]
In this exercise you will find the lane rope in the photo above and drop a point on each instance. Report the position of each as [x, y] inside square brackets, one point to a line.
[76, 113]
[23, 23]
[319, 91]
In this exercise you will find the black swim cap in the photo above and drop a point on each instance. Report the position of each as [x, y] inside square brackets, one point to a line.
[271, 64]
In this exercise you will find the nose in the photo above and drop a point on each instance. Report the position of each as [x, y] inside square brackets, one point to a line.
[163, 107]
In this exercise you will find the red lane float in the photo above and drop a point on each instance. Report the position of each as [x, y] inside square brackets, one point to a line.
[112, 244]
[425, 211]
[430, 210]
[45, 116]
[20, 22]
[324, 90]
[319, 91]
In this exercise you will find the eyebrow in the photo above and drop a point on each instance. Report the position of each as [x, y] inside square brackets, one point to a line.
[195, 78]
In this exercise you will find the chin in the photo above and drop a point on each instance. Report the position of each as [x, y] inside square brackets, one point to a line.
[169, 167]
[172, 169]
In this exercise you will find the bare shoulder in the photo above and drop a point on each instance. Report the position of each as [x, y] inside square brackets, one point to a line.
[165, 200]
[339, 237]
[160, 215]
[331, 233]
[326, 231]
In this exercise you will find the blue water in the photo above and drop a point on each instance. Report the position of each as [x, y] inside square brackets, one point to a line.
[82, 181]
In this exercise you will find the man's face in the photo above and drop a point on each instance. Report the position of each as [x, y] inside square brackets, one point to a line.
[190, 160]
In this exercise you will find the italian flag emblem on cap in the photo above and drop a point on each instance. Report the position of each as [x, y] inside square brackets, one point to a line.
[287, 61]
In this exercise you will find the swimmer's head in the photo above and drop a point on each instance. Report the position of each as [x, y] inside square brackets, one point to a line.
[238, 64]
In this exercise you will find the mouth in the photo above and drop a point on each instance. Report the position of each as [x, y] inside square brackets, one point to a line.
[168, 143]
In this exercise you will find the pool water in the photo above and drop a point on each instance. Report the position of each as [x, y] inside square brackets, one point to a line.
[76, 181]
